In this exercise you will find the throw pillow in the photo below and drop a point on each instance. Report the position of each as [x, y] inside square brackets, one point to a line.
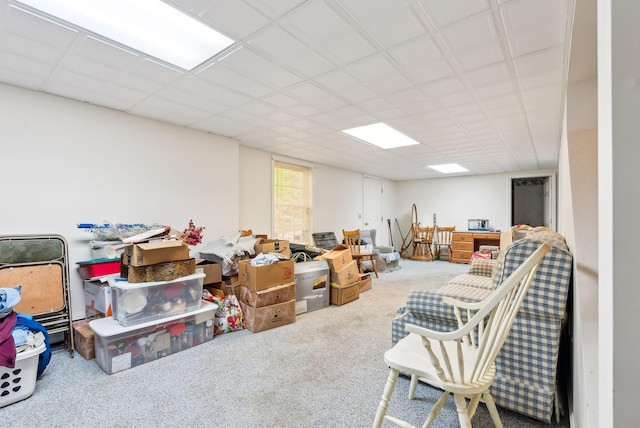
[482, 267]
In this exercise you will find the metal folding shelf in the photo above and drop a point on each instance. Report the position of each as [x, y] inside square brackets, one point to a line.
[40, 264]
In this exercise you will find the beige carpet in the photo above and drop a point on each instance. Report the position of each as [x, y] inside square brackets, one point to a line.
[325, 370]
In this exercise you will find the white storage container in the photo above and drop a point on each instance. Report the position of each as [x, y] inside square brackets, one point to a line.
[19, 382]
[141, 302]
[120, 348]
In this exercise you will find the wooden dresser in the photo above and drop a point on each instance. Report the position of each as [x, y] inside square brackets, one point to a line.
[465, 243]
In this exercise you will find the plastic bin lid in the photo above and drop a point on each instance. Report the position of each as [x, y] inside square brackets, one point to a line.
[107, 327]
[123, 284]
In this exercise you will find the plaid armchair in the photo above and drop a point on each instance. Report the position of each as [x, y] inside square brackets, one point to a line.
[527, 366]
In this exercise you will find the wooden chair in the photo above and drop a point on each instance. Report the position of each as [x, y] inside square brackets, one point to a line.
[444, 239]
[352, 240]
[461, 362]
[422, 242]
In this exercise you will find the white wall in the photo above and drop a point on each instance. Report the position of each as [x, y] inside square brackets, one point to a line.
[64, 162]
[458, 199]
[337, 195]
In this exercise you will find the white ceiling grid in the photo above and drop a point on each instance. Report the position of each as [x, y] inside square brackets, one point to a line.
[477, 82]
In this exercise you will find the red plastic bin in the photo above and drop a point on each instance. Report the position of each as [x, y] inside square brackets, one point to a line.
[98, 267]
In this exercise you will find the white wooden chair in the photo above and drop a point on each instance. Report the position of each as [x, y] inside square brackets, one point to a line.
[460, 362]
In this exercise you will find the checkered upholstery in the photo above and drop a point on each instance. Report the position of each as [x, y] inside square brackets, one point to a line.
[527, 364]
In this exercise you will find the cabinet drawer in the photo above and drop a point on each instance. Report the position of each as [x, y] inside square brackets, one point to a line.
[462, 255]
[462, 245]
[457, 236]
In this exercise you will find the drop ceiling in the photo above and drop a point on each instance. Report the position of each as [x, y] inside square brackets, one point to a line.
[477, 82]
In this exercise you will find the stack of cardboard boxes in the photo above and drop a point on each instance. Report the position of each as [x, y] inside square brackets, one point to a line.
[267, 293]
[345, 287]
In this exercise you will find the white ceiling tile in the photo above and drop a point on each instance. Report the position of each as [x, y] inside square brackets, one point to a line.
[315, 22]
[277, 43]
[224, 15]
[442, 12]
[373, 68]
[247, 62]
[18, 78]
[548, 60]
[85, 66]
[29, 48]
[472, 32]
[420, 52]
[218, 74]
[542, 37]
[156, 72]
[28, 66]
[443, 87]
[358, 94]
[39, 29]
[275, 9]
[496, 90]
[337, 80]
[494, 73]
[281, 78]
[455, 99]
[390, 84]
[310, 64]
[525, 15]
[432, 72]
[106, 53]
[481, 56]
[348, 47]
[280, 100]
[391, 29]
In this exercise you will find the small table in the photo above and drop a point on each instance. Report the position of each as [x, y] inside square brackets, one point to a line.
[464, 244]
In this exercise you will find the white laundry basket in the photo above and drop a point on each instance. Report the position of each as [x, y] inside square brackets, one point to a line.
[19, 382]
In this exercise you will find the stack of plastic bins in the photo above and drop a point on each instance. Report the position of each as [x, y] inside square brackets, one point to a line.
[119, 348]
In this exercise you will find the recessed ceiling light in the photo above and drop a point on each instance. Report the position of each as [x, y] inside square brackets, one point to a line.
[448, 168]
[148, 26]
[381, 135]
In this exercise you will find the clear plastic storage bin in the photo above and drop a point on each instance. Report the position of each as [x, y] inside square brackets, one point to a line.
[138, 303]
[120, 348]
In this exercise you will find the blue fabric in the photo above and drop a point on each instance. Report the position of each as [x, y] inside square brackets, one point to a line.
[20, 335]
[33, 325]
[9, 297]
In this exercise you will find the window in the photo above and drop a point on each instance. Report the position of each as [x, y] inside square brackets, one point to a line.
[292, 203]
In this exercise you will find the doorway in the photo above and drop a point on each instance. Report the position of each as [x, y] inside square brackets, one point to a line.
[372, 208]
[531, 201]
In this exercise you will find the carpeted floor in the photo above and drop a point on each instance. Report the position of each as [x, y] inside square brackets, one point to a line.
[324, 370]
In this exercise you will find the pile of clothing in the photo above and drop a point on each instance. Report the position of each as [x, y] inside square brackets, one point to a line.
[19, 332]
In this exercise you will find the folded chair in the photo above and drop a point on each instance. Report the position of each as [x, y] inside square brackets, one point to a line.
[460, 362]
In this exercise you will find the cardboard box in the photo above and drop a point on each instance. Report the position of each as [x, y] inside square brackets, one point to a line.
[97, 298]
[212, 271]
[312, 285]
[365, 283]
[270, 296]
[273, 246]
[337, 258]
[268, 317]
[83, 340]
[344, 294]
[155, 252]
[166, 271]
[347, 275]
[265, 276]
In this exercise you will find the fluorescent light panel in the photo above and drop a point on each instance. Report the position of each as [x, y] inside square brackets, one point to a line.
[148, 26]
[381, 135]
[448, 168]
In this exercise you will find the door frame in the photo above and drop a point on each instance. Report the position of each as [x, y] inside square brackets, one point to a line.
[552, 209]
